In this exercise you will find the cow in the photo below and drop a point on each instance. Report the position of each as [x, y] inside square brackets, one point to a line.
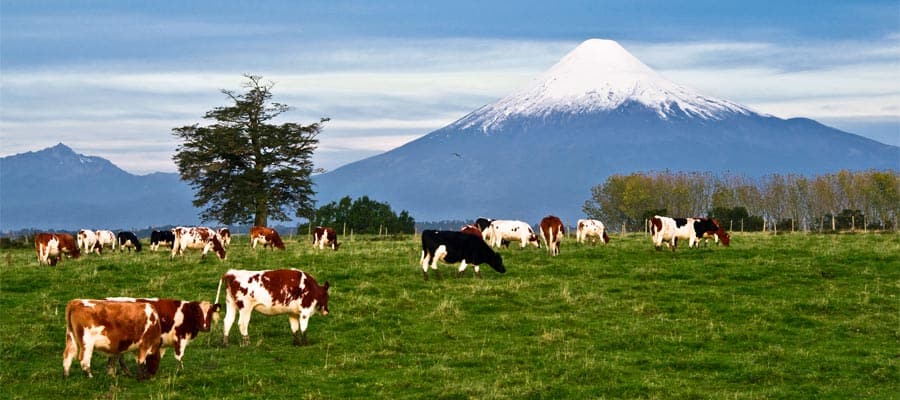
[706, 228]
[225, 236]
[112, 327]
[592, 230]
[51, 247]
[87, 241]
[265, 236]
[472, 229]
[161, 237]
[452, 247]
[501, 230]
[106, 238]
[271, 292]
[128, 240]
[552, 230]
[668, 230]
[325, 236]
[197, 237]
[180, 321]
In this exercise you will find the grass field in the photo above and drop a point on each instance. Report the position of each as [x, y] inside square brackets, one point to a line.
[788, 316]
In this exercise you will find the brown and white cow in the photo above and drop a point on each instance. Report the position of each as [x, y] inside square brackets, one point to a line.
[198, 237]
[87, 241]
[225, 236]
[325, 236]
[112, 327]
[51, 247]
[552, 231]
[106, 238]
[271, 292]
[265, 236]
[705, 228]
[592, 230]
[180, 321]
[508, 230]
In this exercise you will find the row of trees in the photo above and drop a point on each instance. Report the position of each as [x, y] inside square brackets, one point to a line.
[363, 215]
[841, 200]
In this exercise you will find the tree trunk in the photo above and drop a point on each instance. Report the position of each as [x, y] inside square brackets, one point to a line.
[262, 212]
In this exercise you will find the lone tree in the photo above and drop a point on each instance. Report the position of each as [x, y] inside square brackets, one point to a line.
[242, 166]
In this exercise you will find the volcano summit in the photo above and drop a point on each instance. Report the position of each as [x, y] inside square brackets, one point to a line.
[598, 111]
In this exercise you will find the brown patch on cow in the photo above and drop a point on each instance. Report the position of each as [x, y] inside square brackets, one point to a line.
[284, 285]
[655, 225]
[470, 229]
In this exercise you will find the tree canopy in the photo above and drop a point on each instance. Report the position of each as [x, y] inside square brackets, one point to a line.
[243, 166]
[364, 215]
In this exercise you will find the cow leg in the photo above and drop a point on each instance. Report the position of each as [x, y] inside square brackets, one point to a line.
[125, 370]
[477, 271]
[295, 321]
[425, 261]
[69, 353]
[86, 358]
[439, 254]
[462, 268]
[229, 320]
[244, 323]
[180, 345]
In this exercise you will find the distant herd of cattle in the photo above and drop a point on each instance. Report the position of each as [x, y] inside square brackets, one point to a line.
[146, 326]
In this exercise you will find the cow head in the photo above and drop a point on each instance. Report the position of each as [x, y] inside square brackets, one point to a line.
[275, 239]
[496, 263]
[209, 313]
[218, 247]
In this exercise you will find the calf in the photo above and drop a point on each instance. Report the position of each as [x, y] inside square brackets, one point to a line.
[200, 237]
[271, 292]
[501, 230]
[452, 247]
[591, 229]
[265, 236]
[325, 236]
[161, 237]
[112, 327]
[552, 231]
[180, 321]
[128, 240]
[87, 241]
[225, 235]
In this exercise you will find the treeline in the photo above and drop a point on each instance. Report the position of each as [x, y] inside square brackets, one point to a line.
[362, 215]
[835, 201]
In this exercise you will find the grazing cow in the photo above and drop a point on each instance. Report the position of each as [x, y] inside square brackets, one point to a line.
[87, 241]
[265, 236]
[706, 228]
[112, 327]
[552, 231]
[51, 247]
[669, 230]
[197, 238]
[452, 247]
[325, 236]
[501, 230]
[180, 321]
[271, 292]
[106, 238]
[161, 237]
[472, 230]
[591, 229]
[128, 240]
[225, 236]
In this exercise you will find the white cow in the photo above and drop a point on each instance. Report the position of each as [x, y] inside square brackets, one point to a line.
[670, 230]
[87, 240]
[106, 238]
[592, 230]
[200, 237]
[510, 230]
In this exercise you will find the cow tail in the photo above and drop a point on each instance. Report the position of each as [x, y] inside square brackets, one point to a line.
[219, 290]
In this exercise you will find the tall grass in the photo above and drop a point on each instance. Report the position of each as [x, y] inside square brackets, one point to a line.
[789, 316]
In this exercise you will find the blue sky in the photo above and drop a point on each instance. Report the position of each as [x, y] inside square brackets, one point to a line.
[112, 78]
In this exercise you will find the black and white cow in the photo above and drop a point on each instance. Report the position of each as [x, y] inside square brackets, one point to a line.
[161, 238]
[452, 247]
[129, 240]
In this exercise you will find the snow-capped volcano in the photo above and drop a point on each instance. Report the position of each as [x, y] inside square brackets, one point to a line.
[599, 75]
[598, 111]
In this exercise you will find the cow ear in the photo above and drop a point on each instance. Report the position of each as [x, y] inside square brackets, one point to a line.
[216, 307]
[326, 285]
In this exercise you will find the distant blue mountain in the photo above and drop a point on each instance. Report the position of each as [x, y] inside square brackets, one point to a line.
[56, 188]
[598, 112]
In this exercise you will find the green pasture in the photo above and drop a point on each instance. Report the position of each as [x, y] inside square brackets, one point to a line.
[772, 317]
